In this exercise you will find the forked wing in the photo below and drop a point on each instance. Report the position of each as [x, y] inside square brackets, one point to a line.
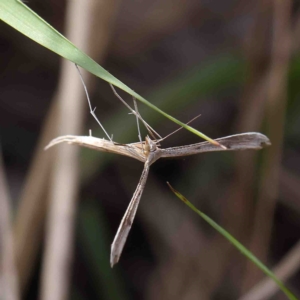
[127, 220]
[100, 145]
[243, 141]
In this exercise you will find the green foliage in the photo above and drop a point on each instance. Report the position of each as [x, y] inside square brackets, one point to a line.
[22, 18]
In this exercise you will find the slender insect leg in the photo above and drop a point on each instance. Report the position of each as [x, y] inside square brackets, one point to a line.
[92, 111]
[148, 127]
[151, 131]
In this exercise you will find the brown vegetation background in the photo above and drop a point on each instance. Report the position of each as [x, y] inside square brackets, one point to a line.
[234, 62]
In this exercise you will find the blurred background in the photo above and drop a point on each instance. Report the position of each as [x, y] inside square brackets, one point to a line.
[235, 63]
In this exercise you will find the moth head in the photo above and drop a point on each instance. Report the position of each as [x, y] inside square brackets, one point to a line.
[150, 146]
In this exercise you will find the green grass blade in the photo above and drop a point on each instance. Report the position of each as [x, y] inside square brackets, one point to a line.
[22, 18]
[237, 244]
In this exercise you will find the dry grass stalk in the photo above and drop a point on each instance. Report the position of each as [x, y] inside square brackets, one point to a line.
[277, 89]
[9, 289]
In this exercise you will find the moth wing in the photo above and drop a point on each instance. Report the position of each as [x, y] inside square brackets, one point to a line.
[127, 220]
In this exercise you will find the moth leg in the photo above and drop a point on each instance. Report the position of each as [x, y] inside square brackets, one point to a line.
[151, 131]
[92, 111]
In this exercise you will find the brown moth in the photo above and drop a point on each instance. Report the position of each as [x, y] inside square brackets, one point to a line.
[148, 152]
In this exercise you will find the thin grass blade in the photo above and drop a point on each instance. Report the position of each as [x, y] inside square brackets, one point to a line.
[236, 244]
[16, 14]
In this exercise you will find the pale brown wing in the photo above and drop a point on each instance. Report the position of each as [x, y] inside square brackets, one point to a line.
[101, 145]
[243, 141]
[127, 220]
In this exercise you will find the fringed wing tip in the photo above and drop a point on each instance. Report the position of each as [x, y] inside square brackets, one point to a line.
[60, 139]
[263, 141]
[51, 144]
[113, 259]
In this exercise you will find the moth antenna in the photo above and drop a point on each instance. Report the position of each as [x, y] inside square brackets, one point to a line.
[179, 128]
[92, 111]
[151, 131]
